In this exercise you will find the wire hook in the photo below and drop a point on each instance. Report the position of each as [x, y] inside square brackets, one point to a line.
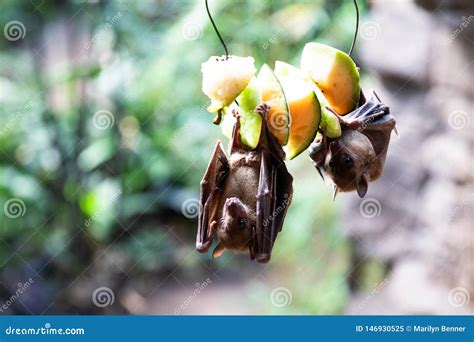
[217, 31]
[356, 30]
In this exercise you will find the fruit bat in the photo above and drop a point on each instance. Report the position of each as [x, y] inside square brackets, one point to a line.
[244, 198]
[357, 157]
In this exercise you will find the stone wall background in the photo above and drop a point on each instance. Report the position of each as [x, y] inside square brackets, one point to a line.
[416, 222]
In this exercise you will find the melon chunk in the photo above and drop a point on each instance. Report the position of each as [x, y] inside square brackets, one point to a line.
[335, 73]
[305, 111]
[278, 118]
[223, 79]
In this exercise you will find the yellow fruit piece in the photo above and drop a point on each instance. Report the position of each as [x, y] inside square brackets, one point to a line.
[329, 122]
[305, 113]
[278, 118]
[335, 73]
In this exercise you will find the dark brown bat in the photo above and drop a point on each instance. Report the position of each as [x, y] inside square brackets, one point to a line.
[244, 198]
[357, 157]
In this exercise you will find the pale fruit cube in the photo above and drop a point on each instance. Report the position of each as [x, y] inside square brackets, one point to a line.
[224, 79]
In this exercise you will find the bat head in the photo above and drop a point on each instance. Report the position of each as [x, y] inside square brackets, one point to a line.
[348, 162]
[235, 229]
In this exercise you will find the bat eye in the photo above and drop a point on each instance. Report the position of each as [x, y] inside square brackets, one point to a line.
[348, 161]
[241, 223]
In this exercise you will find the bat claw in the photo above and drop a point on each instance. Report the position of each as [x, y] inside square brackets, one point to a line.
[262, 109]
[396, 131]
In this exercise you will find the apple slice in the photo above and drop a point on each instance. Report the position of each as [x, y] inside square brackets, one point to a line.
[335, 73]
[223, 79]
[305, 111]
[278, 118]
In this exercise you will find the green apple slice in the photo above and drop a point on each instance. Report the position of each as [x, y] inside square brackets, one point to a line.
[250, 122]
[329, 122]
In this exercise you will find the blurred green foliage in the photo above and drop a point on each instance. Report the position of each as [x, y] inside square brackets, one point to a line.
[120, 189]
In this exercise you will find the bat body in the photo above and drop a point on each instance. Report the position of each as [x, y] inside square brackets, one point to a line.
[245, 197]
[357, 157]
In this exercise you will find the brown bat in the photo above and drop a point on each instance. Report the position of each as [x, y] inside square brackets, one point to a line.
[357, 157]
[244, 198]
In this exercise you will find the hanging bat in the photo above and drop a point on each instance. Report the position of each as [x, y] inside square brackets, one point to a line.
[245, 197]
[357, 157]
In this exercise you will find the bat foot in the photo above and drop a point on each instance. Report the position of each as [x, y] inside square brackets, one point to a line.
[235, 113]
[262, 109]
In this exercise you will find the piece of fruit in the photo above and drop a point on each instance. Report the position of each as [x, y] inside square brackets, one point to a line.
[335, 73]
[250, 122]
[223, 79]
[305, 111]
[329, 122]
[278, 118]
[285, 69]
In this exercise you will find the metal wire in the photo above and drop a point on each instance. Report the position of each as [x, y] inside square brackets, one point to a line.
[217, 31]
[357, 28]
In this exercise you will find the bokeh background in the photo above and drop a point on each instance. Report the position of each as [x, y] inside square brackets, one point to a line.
[104, 137]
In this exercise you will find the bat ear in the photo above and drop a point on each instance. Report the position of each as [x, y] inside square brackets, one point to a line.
[218, 251]
[362, 186]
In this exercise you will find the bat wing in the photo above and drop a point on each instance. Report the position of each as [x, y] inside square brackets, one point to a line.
[211, 185]
[273, 198]
[374, 120]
